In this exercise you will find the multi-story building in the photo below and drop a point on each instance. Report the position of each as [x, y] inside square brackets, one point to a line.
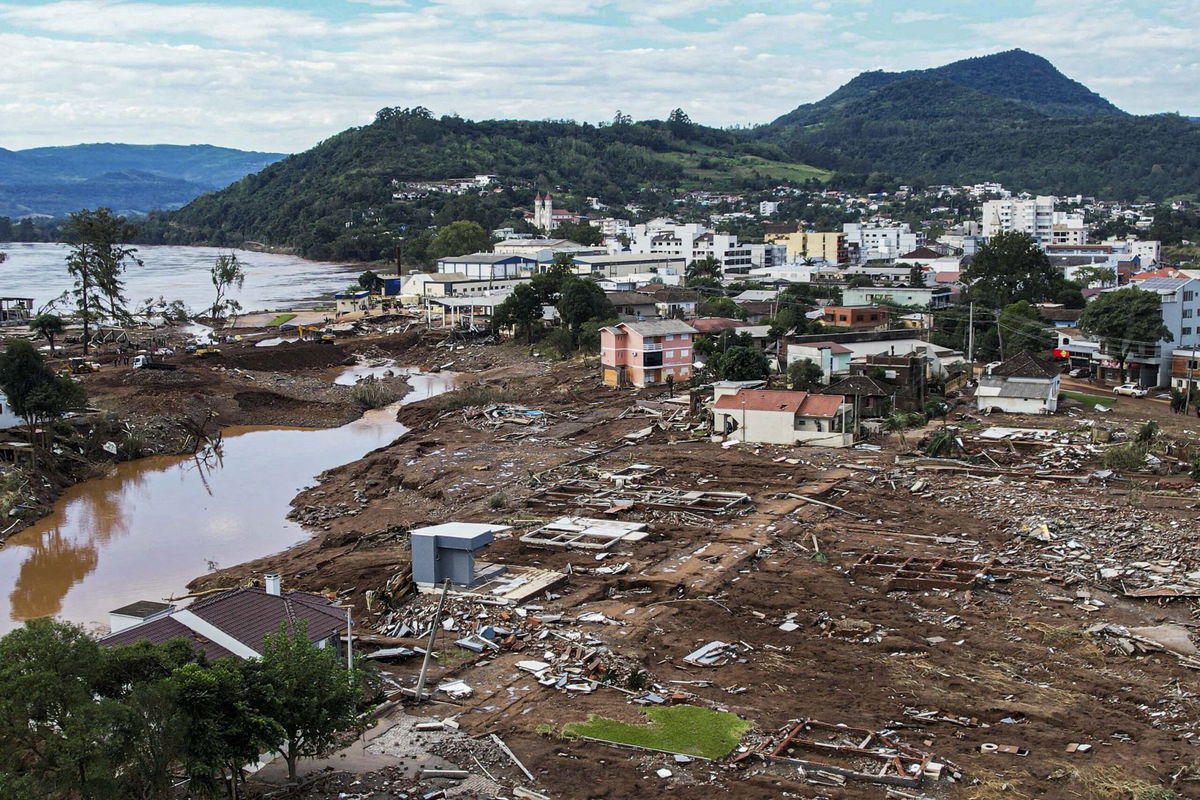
[645, 353]
[1185, 370]
[801, 245]
[881, 242]
[1035, 216]
[488, 266]
[694, 242]
[927, 297]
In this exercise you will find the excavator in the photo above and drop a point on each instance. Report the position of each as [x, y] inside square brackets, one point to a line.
[308, 333]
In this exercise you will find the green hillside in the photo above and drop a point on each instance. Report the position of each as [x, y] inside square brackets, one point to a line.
[976, 120]
[305, 201]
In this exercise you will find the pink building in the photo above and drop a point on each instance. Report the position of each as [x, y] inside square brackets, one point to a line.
[644, 353]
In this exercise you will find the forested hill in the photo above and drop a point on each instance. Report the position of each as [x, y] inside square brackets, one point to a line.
[332, 201]
[1010, 117]
[128, 178]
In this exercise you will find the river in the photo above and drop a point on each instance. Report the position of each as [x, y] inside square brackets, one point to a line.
[150, 526]
[272, 282]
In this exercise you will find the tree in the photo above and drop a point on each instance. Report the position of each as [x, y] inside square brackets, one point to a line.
[701, 268]
[582, 300]
[370, 281]
[1086, 276]
[792, 321]
[226, 273]
[916, 275]
[48, 326]
[34, 392]
[96, 260]
[804, 375]
[521, 310]
[720, 307]
[225, 727]
[54, 731]
[1010, 267]
[1022, 330]
[307, 691]
[460, 238]
[1125, 320]
[859, 282]
[742, 363]
[581, 233]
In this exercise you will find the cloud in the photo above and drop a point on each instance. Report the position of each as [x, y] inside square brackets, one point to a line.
[906, 17]
[275, 78]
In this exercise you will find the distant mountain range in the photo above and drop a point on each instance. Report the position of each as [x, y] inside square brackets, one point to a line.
[129, 178]
[1010, 117]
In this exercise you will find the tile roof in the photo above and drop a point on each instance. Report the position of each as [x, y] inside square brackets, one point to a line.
[714, 324]
[833, 347]
[1025, 365]
[1014, 389]
[812, 405]
[660, 327]
[630, 298]
[246, 614]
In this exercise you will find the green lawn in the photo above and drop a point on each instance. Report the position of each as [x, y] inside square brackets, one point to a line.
[720, 167]
[689, 730]
[282, 318]
[1091, 399]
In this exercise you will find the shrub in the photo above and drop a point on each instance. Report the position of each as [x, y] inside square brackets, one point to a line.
[473, 394]
[1129, 456]
[370, 392]
[497, 501]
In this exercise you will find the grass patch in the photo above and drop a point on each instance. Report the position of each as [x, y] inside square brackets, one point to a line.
[279, 320]
[1090, 400]
[691, 730]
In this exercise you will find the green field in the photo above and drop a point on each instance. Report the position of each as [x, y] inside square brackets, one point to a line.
[1090, 399]
[711, 165]
[689, 730]
[282, 318]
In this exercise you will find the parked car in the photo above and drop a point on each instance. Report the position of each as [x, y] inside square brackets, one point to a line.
[1080, 372]
[1130, 389]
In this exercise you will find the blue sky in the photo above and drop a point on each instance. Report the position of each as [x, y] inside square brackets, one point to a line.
[274, 75]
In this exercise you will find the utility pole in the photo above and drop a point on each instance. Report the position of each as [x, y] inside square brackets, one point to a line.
[971, 336]
[433, 632]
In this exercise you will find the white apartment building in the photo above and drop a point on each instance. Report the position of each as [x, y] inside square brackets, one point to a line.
[1035, 216]
[1150, 364]
[882, 242]
[694, 242]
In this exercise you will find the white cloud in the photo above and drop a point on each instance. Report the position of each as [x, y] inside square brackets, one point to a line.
[279, 79]
[906, 17]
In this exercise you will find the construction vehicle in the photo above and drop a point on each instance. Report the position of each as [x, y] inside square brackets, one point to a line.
[80, 366]
[310, 334]
[205, 352]
[148, 362]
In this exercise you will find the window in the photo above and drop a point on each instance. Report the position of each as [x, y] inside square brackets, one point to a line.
[1187, 313]
[1188, 295]
[670, 337]
[683, 353]
[1186, 331]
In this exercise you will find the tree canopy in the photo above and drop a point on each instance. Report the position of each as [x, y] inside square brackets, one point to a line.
[97, 256]
[1125, 321]
[1010, 267]
[460, 238]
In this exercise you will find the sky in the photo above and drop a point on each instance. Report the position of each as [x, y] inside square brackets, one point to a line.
[281, 76]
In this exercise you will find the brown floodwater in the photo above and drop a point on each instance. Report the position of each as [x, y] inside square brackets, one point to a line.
[149, 526]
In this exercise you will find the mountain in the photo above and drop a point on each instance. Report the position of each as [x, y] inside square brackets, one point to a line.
[130, 179]
[335, 200]
[1010, 117]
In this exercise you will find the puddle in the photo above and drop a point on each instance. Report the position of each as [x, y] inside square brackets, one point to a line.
[150, 526]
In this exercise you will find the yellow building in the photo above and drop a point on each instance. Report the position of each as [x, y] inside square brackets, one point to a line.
[807, 244]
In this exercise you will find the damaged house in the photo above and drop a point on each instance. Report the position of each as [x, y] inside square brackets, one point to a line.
[773, 417]
[1023, 384]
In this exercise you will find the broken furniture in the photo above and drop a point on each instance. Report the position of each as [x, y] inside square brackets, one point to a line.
[447, 552]
[586, 533]
[916, 573]
[850, 750]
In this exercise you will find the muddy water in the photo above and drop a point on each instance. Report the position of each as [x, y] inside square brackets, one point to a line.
[150, 526]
